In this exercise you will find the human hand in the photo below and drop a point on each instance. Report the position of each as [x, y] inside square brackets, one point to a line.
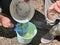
[52, 15]
[55, 6]
[6, 22]
[53, 10]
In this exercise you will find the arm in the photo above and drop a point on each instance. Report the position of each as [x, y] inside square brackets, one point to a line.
[5, 21]
[53, 12]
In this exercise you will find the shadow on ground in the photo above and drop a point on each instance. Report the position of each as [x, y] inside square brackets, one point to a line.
[7, 32]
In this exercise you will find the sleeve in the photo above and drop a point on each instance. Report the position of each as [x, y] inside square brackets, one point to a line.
[0, 2]
[47, 5]
[0, 7]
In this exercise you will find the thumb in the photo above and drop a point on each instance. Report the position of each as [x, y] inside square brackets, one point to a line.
[11, 25]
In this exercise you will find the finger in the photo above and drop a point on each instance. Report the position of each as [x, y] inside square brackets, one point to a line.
[51, 7]
[6, 26]
[58, 3]
[10, 25]
[5, 20]
[57, 7]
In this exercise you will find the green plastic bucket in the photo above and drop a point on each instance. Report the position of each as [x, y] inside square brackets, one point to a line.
[27, 38]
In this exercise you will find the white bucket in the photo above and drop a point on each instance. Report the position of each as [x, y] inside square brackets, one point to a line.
[27, 38]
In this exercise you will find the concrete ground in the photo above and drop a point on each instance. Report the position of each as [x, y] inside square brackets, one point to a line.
[54, 42]
[12, 39]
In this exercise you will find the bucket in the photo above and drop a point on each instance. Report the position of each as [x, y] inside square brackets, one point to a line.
[21, 28]
[27, 38]
[22, 12]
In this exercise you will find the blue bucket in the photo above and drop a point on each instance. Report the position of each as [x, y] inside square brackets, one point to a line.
[21, 31]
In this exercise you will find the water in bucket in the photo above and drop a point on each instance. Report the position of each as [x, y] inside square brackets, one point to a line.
[29, 33]
[27, 38]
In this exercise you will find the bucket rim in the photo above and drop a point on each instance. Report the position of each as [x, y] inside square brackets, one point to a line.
[31, 36]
